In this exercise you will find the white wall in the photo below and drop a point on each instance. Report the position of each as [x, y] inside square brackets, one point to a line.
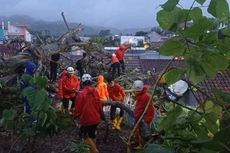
[28, 36]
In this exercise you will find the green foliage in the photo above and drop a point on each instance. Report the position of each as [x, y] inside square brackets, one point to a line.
[170, 5]
[206, 51]
[44, 119]
[184, 129]
[172, 76]
[8, 116]
[78, 147]
[195, 14]
[219, 9]
[155, 148]
[171, 119]
[104, 33]
[200, 1]
[170, 21]
[172, 47]
[199, 28]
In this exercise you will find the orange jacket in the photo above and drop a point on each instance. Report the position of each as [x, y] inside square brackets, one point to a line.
[142, 100]
[114, 59]
[116, 93]
[102, 89]
[88, 107]
[66, 86]
[120, 52]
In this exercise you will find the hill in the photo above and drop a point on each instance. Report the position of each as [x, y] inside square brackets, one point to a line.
[58, 27]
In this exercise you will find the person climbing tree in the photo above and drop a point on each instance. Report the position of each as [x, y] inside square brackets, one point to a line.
[69, 85]
[88, 109]
[143, 132]
[116, 93]
[120, 53]
[54, 66]
[115, 67]
[81, 65]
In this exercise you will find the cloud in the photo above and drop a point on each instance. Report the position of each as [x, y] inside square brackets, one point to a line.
[109, 13]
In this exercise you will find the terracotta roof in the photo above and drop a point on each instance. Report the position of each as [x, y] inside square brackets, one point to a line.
[157, 65]
[221, 81]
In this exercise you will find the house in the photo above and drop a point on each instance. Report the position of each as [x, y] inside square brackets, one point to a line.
[156, 39]
[3, 33]
[221, 81]
[18, 31]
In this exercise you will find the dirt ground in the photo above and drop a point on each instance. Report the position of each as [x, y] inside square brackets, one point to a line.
[59, 143]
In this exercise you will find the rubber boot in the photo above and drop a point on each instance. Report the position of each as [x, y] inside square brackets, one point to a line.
[115, 123]
[118, 125]
[92, 145]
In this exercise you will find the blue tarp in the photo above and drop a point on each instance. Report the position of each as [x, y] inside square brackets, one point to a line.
[2, 34]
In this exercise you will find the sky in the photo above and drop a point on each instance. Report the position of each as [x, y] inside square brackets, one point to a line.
[107, 13]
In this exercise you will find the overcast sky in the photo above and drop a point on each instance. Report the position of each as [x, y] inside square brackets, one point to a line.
[108, 13]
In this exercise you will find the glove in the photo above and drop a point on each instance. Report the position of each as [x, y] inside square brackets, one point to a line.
[76, 91]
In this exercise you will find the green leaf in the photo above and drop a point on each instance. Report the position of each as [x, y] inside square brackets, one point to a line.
[224, 44]
[172, 76]
[27, 78]
[226, 31]
[211, 122]
[199, 28]
[171, 20]
[212, 107]
[212, 63]
[156, 148]
[9, 114]
[41, 81]
[44, 119]
[170, 5]
[196, 13]
[41, 94]
[204, 150]
[194, 70]
[172, 47]
[223, 98]
[219, 9]
[29, 93]
[200, 1]
[223, 135]
[171, 118]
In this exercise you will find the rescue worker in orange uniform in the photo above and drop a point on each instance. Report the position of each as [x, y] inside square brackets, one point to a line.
[142, 98]
[115, 66]
[68, 87]
[102, 89]
[88, 109]
[116, 93]
[120, 53]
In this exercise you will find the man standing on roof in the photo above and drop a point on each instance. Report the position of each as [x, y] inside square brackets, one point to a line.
[142, 98]
[120, 53]
[88, 109]
[69, 85]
